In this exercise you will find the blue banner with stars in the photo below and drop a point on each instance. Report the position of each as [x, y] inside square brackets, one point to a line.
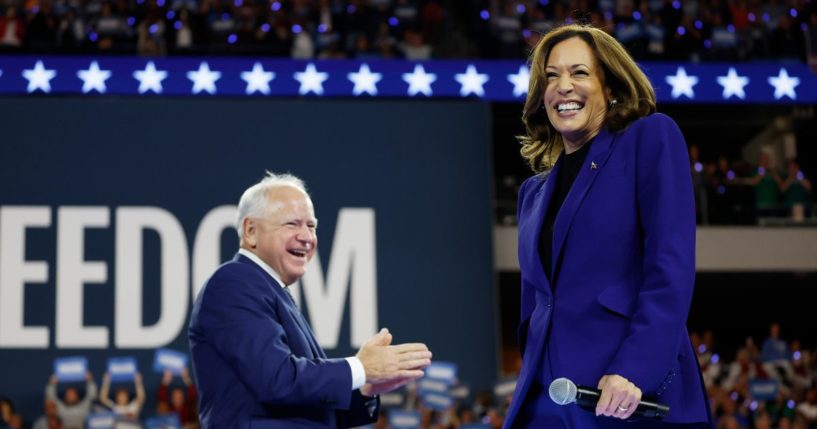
[776, 83]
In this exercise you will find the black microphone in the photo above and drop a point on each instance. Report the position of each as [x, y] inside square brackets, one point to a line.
[563, 391]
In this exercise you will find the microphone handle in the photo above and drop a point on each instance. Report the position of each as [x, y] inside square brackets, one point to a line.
[587, 399]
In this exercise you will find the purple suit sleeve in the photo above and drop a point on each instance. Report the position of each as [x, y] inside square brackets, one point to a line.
[667, 219]
[239, 319]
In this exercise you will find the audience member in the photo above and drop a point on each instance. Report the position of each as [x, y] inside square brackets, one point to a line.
[181, 401]
[766, 182]
[6, 411]
[807, 410]
[50, 418]
[72, 409]
[12, 30]
[796, 190]
[122, 405]
[658, 30]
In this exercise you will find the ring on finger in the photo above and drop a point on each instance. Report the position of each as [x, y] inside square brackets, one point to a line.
[623, 409]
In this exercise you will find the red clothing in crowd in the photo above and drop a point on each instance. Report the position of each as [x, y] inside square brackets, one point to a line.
[187, 412]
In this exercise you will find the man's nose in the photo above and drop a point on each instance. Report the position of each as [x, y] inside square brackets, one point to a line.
[305, 234]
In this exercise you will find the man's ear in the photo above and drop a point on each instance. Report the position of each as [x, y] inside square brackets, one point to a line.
[249, 231]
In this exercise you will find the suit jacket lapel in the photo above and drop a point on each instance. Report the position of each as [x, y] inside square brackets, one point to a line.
[540, 207]
[299, 318]
[599, 152]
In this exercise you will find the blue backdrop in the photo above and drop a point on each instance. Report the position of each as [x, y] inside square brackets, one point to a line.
[421, 169]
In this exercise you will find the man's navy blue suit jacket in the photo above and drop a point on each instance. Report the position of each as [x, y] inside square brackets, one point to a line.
[257, 362]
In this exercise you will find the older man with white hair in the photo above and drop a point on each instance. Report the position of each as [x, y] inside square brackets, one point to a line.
[255, 357]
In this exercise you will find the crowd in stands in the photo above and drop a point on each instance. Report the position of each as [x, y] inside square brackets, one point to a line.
[773, 386]
[411, 29]
[740, 192]
[773, 190]
[69, 405]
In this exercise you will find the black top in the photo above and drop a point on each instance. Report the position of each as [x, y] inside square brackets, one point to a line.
[571, 164]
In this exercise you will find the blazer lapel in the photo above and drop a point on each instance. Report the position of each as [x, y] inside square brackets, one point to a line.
[540, 207]
[294, 311]
[599, 152]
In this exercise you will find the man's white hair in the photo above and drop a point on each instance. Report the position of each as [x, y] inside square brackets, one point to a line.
[254, 201]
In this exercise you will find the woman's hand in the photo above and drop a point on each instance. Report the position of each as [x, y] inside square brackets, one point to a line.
[619, 397]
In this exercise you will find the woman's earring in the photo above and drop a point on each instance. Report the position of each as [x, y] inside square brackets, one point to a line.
[613, 103]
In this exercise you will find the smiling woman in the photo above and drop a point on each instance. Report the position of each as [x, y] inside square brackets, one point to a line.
[575, 97]
[606, 242]
[579, 56]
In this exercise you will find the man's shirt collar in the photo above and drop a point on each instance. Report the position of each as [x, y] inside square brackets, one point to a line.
[253, 257]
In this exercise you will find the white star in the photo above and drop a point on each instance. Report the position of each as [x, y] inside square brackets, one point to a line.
[365, 80]
[39, 77]
[94, 78]
[419, 81]
[311, 80]
[150, 79]
[682, 83]
[733, 84]
[784, 85]
[204, 79]
[258, 79]
[520, 81]
[471, 81]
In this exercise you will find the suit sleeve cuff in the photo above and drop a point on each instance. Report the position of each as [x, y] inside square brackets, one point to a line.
[358, 372]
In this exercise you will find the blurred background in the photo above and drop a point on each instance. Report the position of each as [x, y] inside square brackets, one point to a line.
[130, 128]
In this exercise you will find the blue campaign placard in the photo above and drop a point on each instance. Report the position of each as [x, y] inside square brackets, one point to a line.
[438, 401]
[71, 368]
[392, 399]
[170, 421]
[431, 385]
[122, 368]
[442, 371]
[504, 388]
[104, 420]
[169, 360]
[763, 390]
[403, 419]
[460, 392]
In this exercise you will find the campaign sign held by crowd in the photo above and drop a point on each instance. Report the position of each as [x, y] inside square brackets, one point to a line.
[122, 368]
[70, 369]
[169, 360]
[404, 419]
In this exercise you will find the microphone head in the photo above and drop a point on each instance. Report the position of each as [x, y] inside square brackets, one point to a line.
[562, 391]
